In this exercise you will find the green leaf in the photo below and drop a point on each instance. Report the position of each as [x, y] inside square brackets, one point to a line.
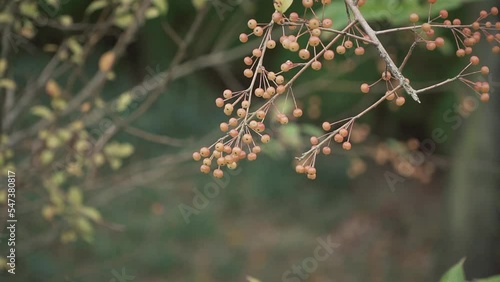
[251, 279]
[95, 6]
[46, 157]
[42, 111]
[7, 84]
[29, 9]
[455, 274]
[75, 196]
[91, 213]
[84, 227]
[152, 13]
[75, 46]
[394, 11]
[124, 20]
[495, 278]
[115, 163]
[162, 6]
[123, 101]
[198, 4]
[6, 18]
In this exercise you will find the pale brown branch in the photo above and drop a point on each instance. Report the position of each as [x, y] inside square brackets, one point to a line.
[383, 53]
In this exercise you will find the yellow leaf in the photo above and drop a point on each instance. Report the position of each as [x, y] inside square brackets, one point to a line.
[75, 196]
[251, 279]
[91, 213]
[198, 4]
[107, 61]
[42, 111]
[7, 84]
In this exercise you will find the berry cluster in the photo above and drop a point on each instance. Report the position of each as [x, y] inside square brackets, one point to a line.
[303, 35]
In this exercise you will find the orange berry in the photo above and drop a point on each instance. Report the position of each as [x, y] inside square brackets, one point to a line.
[311, 170]
[243, 38]
[265, 138]
[485, 97]
[219, 102]
[329, 55]
[307, 3]
[271, 44]
[431, 46]
[386, 75]
[443, 14]
[247, 138]
[224, 127]
[426, 27]
[258, 31]
[304, 54]
[327, 23]
[252, 156]
[297, 113]
[439, 42]
[256, 149]
[218, 173]
[248, 61]
[207, 161]
[248, 73]
[485, 70]
[326, 126]
[400, 101]
[460, 53]
[343, 132]
[277, 17]
[257, 52]
[313, 176]
[365, 88]
[359, 51]
[338, 138]
[300, 169]
[414, 18]
[326, 150]
[347, 146]
[205, 169]
[219, 147]
[205, 152]
[313, 23]
[474, 60]
[252, 24]
[196, 156]
[314, 41]
[233, 133]
[233, 122]
[316, 65]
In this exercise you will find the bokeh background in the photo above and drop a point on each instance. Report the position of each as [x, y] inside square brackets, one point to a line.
[265, 219]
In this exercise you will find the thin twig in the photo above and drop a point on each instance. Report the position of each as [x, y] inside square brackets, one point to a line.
[383, 53]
